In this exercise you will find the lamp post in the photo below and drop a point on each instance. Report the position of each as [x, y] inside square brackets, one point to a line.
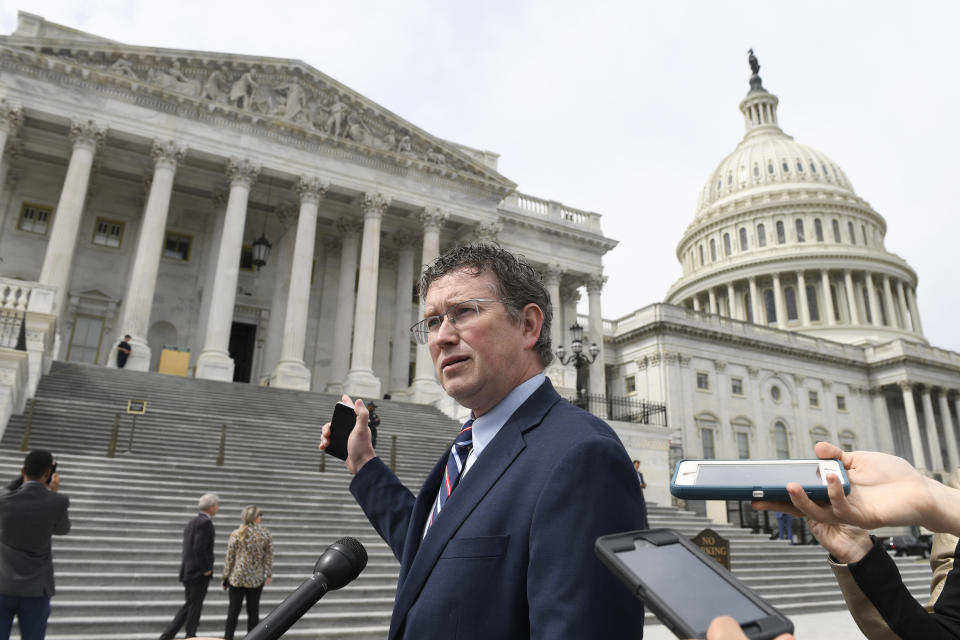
[580, 361]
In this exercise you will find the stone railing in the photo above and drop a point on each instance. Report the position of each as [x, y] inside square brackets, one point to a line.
[551, 210]
[20, 371]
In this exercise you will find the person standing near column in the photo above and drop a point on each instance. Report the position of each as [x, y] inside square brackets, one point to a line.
[29, 517]
[123, 351]
[196, 567]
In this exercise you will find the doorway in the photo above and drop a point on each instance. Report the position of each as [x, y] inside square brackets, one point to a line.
[243, 340]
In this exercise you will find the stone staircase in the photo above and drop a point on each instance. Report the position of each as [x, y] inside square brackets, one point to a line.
[116, 571]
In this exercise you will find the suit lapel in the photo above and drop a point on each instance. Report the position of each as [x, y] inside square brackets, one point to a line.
[495, 460]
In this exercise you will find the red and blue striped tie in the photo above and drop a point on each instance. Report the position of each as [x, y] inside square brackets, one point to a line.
[455, 463]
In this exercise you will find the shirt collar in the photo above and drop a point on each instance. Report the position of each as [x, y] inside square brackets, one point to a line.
[488, 425]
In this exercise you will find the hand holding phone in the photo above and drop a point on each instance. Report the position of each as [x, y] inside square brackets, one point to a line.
[342, 423]
[347, 436]
[754, 479]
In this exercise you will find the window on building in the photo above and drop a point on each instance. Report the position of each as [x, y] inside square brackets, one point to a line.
[743, 239]
[786, 167]
[770, 168]
[841, 403]
[848, 440]
[761, 235]
[85, 339]
[836, 303]
[781, 234]
[818, 228]
[790, 297]
[107, 233]
[863, 234]
[246, 258]
[818, 434]
[630, 382]
[743, 445]
[706, 438]
[713, 250]
[801, 236]
[703, 380]
[812, 303]
[177, 246]
[775, 393]
[836, 230]
[701, 254]
[727, 250]
[780, 441]
[853, 238]
[813, 167]
[34, 218]
[814, 398]
[748, 305]
[771, 305]
[736, 386]
[756, 171]
[881, 302]
[866, 304]
[730, 178]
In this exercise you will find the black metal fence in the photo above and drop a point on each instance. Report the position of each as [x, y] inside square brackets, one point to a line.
[623, 409]
[13, 329]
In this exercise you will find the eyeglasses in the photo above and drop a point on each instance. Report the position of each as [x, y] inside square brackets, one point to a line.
[460, 315]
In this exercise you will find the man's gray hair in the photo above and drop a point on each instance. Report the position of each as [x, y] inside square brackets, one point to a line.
[517, 284]
[207, 500]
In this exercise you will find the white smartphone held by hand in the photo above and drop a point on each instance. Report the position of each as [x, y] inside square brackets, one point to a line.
[754, 479]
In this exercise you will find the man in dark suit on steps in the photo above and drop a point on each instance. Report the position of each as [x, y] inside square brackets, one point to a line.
[29, 516]
[498, 543]
[196, 567]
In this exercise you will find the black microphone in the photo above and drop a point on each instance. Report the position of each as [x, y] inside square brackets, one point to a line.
[339, 565]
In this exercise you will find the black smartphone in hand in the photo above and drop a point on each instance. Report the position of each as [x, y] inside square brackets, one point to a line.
[344, 418]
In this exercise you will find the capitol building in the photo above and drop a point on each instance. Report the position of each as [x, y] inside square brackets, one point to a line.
[270, 222]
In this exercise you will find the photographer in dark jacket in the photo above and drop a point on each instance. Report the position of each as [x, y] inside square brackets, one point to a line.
[196, 567]
[30, 514]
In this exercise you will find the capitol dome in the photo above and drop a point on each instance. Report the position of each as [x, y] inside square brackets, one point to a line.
[780, 238]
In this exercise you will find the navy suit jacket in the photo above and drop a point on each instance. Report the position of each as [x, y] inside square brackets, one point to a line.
[197, 556]
[29, 517]
[511, 554]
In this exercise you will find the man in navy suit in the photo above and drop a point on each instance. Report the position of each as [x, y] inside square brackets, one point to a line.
[29, 516]
[499, 541]
[196, 567]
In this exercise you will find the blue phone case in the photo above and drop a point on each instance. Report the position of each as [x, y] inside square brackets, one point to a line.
[749, 491]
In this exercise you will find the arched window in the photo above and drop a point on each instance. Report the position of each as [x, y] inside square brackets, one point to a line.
[761, 235]
[786, 167]
[836, 231]
[813, 167]
[801, 236]
[812, 303]
[863, 232]
[770, 303]
[701, 254]
[748, 305]
[781, 234]
[853, 238]
[780, 441]
[713, 250]
[818, 434]
[743, 239]
[727, 250]
[790, 297]
[730, 178]
[817, 228]
[799, 166]
[756, 171]
[848, 440]
[707, 426]
[770, 167]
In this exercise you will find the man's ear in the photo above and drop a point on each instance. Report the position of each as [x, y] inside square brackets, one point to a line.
[531, 322]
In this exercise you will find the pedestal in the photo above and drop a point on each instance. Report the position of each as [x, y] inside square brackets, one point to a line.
[362, 383]
[215, 365]
[291, 374]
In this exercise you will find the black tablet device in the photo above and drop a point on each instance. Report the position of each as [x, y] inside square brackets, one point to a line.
[684, 587]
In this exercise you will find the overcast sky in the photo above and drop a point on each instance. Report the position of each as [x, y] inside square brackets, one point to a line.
[626, 108]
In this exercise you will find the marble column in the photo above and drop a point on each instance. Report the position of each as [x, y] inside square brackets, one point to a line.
[346, 295]
[361, 382]
[215, 230]
[138, 303]
[827, 298]
[802, 299]
[87, 137]
[851, 297]
[933, 438]
[712, 297]
[905, 318]
[291, 371]
[214, 361]
[876, 314]
[913, 425]
[892, 318]
[696, 303]
[11, 119]
[598, 381]
[755, 307]
[914, 311]
[551, 279]
[425, 388]
[779, 303]
[405, 241]
[881, 420]
[281, 261]
[949, 430]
